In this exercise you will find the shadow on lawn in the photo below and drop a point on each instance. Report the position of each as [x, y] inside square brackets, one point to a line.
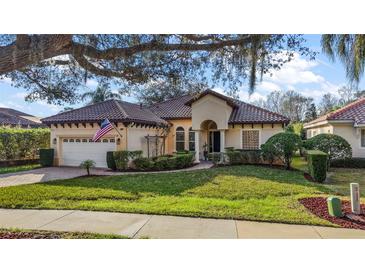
[180, 182]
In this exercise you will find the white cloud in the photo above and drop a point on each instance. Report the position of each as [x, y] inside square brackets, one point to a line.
[267, 86]
[91, 83]
[53, 108]
[5, 80]
[20, 95]
[297, 71]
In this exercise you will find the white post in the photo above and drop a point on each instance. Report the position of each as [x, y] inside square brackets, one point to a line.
[223, 142]
[197, 147]
[355, 198]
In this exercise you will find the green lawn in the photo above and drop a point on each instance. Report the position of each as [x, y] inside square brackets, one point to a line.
[11, 169]
[240, 192]
[44, 234]
[340, 179]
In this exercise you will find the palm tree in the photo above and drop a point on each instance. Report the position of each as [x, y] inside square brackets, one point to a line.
[100, 94]
[350, 49]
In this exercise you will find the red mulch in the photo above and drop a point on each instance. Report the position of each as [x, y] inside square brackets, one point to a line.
[308, 177]
[318, 206]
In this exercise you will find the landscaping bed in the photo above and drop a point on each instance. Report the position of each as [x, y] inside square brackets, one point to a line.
[11, 169]
[318, 206]
[43, 234]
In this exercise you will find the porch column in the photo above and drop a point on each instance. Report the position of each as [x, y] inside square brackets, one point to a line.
[223, 142]
[197, 147]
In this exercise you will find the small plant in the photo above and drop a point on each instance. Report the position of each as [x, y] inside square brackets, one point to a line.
[87, 164]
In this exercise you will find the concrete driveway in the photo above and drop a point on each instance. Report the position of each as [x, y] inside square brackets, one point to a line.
[59, 173]
[45, 174]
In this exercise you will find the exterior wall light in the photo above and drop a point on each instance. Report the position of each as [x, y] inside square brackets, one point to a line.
[118, 141]
[54, 141]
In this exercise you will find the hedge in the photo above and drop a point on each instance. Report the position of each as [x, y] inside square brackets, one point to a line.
[241, 156]
[110, 160]
[349, 163]
[123, 157]
[46, 156]
[167, 162]
[18, 143]
[317, 164]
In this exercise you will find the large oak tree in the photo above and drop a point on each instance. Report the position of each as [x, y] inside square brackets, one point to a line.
[54, 67]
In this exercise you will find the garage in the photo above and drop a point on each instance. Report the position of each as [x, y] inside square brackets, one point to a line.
[75, 150]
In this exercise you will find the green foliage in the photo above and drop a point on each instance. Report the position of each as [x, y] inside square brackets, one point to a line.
[123, 157]
[349, 163]
[18, 143]
[234, 157]
[11, 169]
[46, 156]
[317, 165]
[297, 128]
[101, 94]
[167, 162]
[110, 160]
[143, 163]
[333, 145]
[215, 157]
[283, 146]
[87, 164]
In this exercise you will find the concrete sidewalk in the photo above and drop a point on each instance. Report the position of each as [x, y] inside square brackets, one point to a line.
[164, 227]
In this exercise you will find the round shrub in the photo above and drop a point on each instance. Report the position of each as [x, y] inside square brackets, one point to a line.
[283, 146]
[333, 145]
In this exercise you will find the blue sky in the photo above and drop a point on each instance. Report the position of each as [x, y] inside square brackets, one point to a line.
[311, 78]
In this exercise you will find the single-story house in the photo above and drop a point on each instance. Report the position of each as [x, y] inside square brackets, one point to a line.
[347, 122]
[14, 118]
[208, 121]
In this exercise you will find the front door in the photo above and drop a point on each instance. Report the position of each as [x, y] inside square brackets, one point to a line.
[214, 141]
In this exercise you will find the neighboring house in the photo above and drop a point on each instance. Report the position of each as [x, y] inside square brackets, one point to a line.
[208, 121]
[347, 122]
[14, 118]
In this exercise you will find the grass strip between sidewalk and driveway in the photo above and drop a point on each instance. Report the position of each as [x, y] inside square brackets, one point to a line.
[236, 192]
[11, 169]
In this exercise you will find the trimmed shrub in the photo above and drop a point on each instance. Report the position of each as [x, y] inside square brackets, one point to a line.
[123, 157]
[234, 157]
[46, 156]
[349, 163]
[317, 165]
[333, 145]
[110, 160]
[143, 163]
[18, 143]
[184, 160]
[215, 157]
[283, 146]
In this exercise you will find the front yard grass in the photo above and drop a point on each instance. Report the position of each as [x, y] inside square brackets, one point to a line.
[239, 192]
[340, 178]
[11, 169]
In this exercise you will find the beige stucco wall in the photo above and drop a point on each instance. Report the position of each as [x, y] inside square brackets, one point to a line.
[234, 134]
[351, 135]
[136, 139]
[170, 141]
[210, 108]
[327, 128]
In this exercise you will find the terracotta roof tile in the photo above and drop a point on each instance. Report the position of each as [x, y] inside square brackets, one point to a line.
[14, 117]
[354, 111]
[114, 110]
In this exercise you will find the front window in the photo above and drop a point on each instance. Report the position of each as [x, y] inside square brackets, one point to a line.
[180, 139]
[363, 138]
[250, 139]
[191, 140]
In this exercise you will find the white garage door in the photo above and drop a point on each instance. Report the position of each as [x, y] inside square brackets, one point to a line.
[75, 150]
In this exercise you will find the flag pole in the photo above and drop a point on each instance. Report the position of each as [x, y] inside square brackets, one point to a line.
[116, 128]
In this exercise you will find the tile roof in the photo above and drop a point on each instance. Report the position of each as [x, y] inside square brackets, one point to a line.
[180, 107]
[177, 108]
[14, 117]
[114, 110]
[174, 108]
[354, 112]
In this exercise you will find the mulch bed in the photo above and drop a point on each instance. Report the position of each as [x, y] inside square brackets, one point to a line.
[318, 206]
[29, 235]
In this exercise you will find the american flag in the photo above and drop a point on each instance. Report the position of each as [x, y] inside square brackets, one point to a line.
[105, 127]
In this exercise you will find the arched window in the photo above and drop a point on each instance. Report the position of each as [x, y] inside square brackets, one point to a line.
[191, 140]
[180, 139]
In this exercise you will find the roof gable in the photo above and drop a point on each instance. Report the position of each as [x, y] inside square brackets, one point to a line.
[14, 117]
[230, 101]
